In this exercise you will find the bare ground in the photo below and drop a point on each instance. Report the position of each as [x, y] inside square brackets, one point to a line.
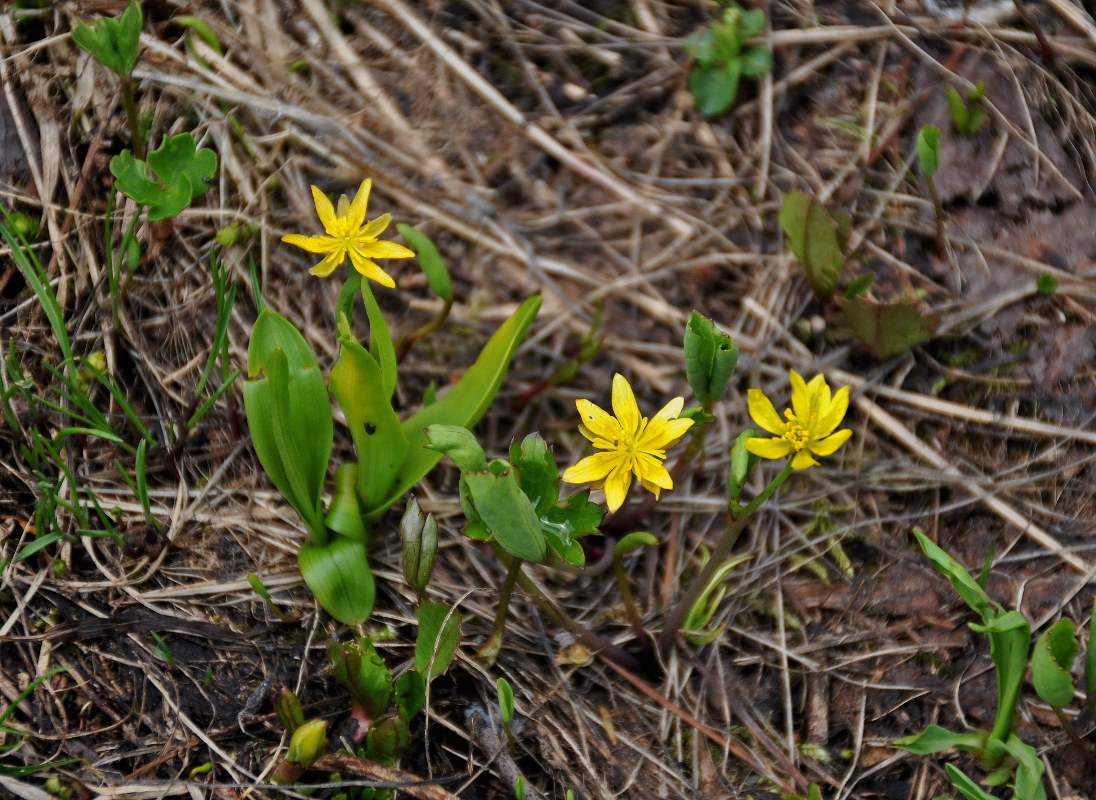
[554, 147]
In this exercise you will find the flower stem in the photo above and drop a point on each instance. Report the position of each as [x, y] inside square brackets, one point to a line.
[642, 637]
[727, 541]
[431, 326]
[489, 652]
[133, 118]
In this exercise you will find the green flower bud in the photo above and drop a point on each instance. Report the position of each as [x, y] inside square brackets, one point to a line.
[307, 743]
[419, 533]
[289, 710]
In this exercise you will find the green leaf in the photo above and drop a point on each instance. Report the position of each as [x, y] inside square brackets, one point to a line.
[964, 584]
[379, 439]
[387, 738]
[1009, 638]
[537, 471]
[701, 46]
[180, 170]
[410, 689]
[344, 515]
[339, 576]
[380, 341]
[507, 513]
[1046, 283]
[438, 638]
[960, 115]
[751, 23]
[710, 358]
[966, 785]
[714, 86]
[459, 444]
[359, 668]
[114, 42]
[887, 328]
[935, 739]
[564, 522]
[465, 403]
[1090, 664]
[506, 700]
[437, 274]
[1028, 781]
[1051, 662]
[859, 285]
[201, 29]
[757, 61]
[928, 149]
[742, 462]
[816, 238]
[290, 423]
[632, 541]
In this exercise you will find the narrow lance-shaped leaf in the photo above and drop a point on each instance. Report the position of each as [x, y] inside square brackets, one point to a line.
[380, 341]
[438, 638]
[437, 274]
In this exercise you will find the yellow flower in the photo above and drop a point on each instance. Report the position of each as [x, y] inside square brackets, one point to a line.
[634, 445]
[346, 237]
[809, 430]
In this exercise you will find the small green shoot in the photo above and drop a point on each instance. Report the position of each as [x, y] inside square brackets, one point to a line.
[161, 649]
[928, 154]
[505, 694]
[967, 116]
[721, 58]
[180, 171]
[818, 238]
[264, 593]
[1046, 284]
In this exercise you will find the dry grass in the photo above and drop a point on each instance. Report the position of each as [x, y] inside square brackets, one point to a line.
[553, 147]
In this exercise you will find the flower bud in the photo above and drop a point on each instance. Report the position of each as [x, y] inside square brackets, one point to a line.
[307, 744]
[289, 710]
[419, 533]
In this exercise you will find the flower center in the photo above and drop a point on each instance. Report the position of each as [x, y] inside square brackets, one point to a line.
[342, 229]
[796, 434]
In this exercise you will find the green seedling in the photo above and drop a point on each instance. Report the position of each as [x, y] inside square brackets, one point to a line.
[515, 506]
[967, 116]
[519, 787]
[264, 593]
[1046, 284]
[505, 694]
[695, 627]
[180, 171]
[721, 58]
[1009, 636]
[114, 43]
[928, 154]
[710, 360]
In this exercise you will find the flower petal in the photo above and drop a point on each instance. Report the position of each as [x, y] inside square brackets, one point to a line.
[801, 398]
[770, 448]
[803, 460]
[356, 213]
[650, 470]
[382, 249]
[591, 468]
[820, 393]
[652, 488]
[624, 406]
[375, 227]
[328, 265]
[824, 447]
[324, 210]
[313, 244]
[832, 413]
[764, 414]
[370, 270]
[597, 421]
[659, 435]
[616, 486]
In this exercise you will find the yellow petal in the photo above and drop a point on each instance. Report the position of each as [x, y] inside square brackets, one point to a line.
[370, 270]
[824, 447]
[382, 249]
[669, 411]
[616, 486]
[324, 210]
[832, 413]
[356, 213]
[652, 488]
[820, 393]
[313, 244]
[801, 398]
[659, 435]
[624, 405]
[770, 448]
[763, 413]
[650, 471]
[591, 468]
[597, 421]
[803, 460]
[328, 265]
[375, 227]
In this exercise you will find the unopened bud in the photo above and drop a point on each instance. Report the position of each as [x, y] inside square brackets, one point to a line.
[419, 533]
[289, 710]
[307, 743]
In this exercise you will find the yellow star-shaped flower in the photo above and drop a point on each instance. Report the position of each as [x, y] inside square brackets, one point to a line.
[810, 425]
[346, 236]
[634, 445]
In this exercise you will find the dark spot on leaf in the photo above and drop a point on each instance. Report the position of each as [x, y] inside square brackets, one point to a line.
[370, 428]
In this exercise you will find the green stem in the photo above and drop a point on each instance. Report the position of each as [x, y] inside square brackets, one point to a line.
[424, 331]
[132, 117]
[1071, 732]
[488, 654]
[719, 555]
[939, 209]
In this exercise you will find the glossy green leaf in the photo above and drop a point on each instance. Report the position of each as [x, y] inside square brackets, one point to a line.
[180, 170]
[742, 462]
[410, 691]
[1052, 661]
[295, 451]
[459, 445]
[715, 86]
[344, 514]
[710, 358]
[537, 471]
[465, 403]
[506, 700]
[380, 341]
[114, 42]
[387, 738]
[379, 439]
[339, 576]
[1009, 639]
[928, 149]
[935, 739]
[438, 638]
[887, 328]
[966, 785]
[757, 61]
[817, 239]
[359, 668]
[507, 513]
[1028, 779]
[565, 521]
[437, 274]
